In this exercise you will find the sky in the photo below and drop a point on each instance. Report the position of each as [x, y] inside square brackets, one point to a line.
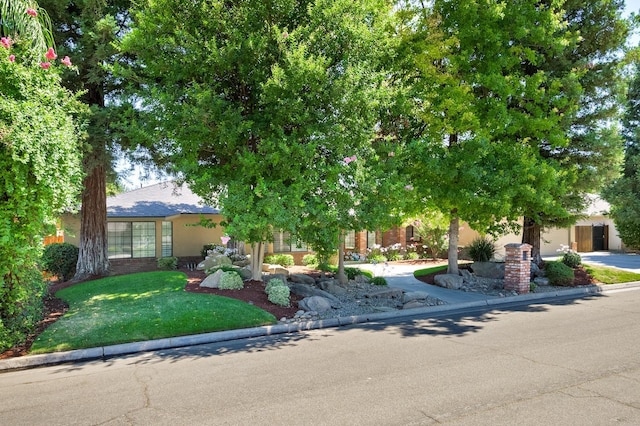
[135, 178]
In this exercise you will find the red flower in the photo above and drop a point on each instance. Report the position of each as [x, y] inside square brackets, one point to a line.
[6, 42]
[12, 58]
[32, 12]
[66, 61]
[50, 55]
[45, 65]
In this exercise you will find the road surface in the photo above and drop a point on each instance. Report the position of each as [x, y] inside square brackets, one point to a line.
[573, 362]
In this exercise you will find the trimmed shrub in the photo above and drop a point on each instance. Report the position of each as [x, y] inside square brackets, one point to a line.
[279, 259]
[279, 295]
[482, 249]
[559, 273]
[275, 282]
[230, 281]
[379, 281]
[60, 259]
[309, 259]
[571, 259]
[168, 263]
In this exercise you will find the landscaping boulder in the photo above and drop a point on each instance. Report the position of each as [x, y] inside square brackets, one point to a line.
[275, 269]
[305, 290]
[315, 303]
[491, 270]
[212, 261]
[213, 280]
[302, 279]
[386, 293]
[332, 287]
[414, 295]
[541, 281]
[451, 281]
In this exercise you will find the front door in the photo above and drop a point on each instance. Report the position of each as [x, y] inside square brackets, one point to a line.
[600, 238]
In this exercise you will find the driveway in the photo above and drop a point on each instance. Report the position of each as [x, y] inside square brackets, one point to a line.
[627, 261]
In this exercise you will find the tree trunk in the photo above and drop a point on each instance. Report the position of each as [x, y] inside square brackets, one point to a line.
[342, 277]
[454, 226]
[257, 258]
[531, 232]
[93, 259]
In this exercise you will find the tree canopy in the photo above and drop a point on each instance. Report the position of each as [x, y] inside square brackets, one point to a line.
[624, 193]
[262, 107]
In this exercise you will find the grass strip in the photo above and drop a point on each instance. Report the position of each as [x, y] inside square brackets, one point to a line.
[607, 275]
[138, 307]
[428, 271]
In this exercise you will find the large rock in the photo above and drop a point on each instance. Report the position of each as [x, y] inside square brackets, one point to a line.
[315, 303]
[212, 261]
[386, 293]
[302, 279]
[451, 281]
[491, 270]
[414, 295]
[305, 290]
[536, 271]
[275, 269]
[213, 280]
[332, 287]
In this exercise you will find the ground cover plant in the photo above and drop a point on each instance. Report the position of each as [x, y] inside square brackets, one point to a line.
[144, 306]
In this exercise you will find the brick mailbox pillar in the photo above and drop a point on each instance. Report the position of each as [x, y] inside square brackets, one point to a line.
[517, 268]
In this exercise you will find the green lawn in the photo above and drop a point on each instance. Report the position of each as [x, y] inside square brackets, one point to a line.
[611, 275]
[139, 307]
[427, 271]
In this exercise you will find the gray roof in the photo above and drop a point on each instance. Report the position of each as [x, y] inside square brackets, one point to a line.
[159, 200]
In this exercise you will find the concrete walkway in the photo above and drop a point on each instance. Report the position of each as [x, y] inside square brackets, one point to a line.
[401, 276]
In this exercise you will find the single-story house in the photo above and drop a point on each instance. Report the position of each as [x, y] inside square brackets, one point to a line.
[163, 220]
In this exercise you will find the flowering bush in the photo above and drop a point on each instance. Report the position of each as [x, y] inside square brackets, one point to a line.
[375, 254]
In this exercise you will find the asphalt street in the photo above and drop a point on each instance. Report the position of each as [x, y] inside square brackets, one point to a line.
[571, 361]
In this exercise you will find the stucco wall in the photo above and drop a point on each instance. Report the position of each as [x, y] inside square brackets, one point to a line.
[187, 240]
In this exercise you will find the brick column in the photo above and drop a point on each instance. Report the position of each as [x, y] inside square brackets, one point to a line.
[517, 269]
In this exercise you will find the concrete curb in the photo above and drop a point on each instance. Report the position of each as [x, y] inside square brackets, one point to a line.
[104, 352]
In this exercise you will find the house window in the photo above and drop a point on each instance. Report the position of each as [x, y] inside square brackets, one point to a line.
[412, 234]
[131, 239]
[371, 239]
[350, 240]
[167, 239]
[282, 243]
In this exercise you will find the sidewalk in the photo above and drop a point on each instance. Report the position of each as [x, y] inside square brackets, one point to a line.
[397, 276]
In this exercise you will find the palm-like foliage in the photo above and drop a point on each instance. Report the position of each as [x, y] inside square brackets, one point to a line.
[33, 33]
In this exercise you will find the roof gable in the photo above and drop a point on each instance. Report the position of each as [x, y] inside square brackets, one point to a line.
[159, 200]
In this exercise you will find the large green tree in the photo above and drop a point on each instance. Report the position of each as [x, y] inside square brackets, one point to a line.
[40, 169]
[624, 193]
[258, 105]
[480, 110]
[592, 154]
[86, 31]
